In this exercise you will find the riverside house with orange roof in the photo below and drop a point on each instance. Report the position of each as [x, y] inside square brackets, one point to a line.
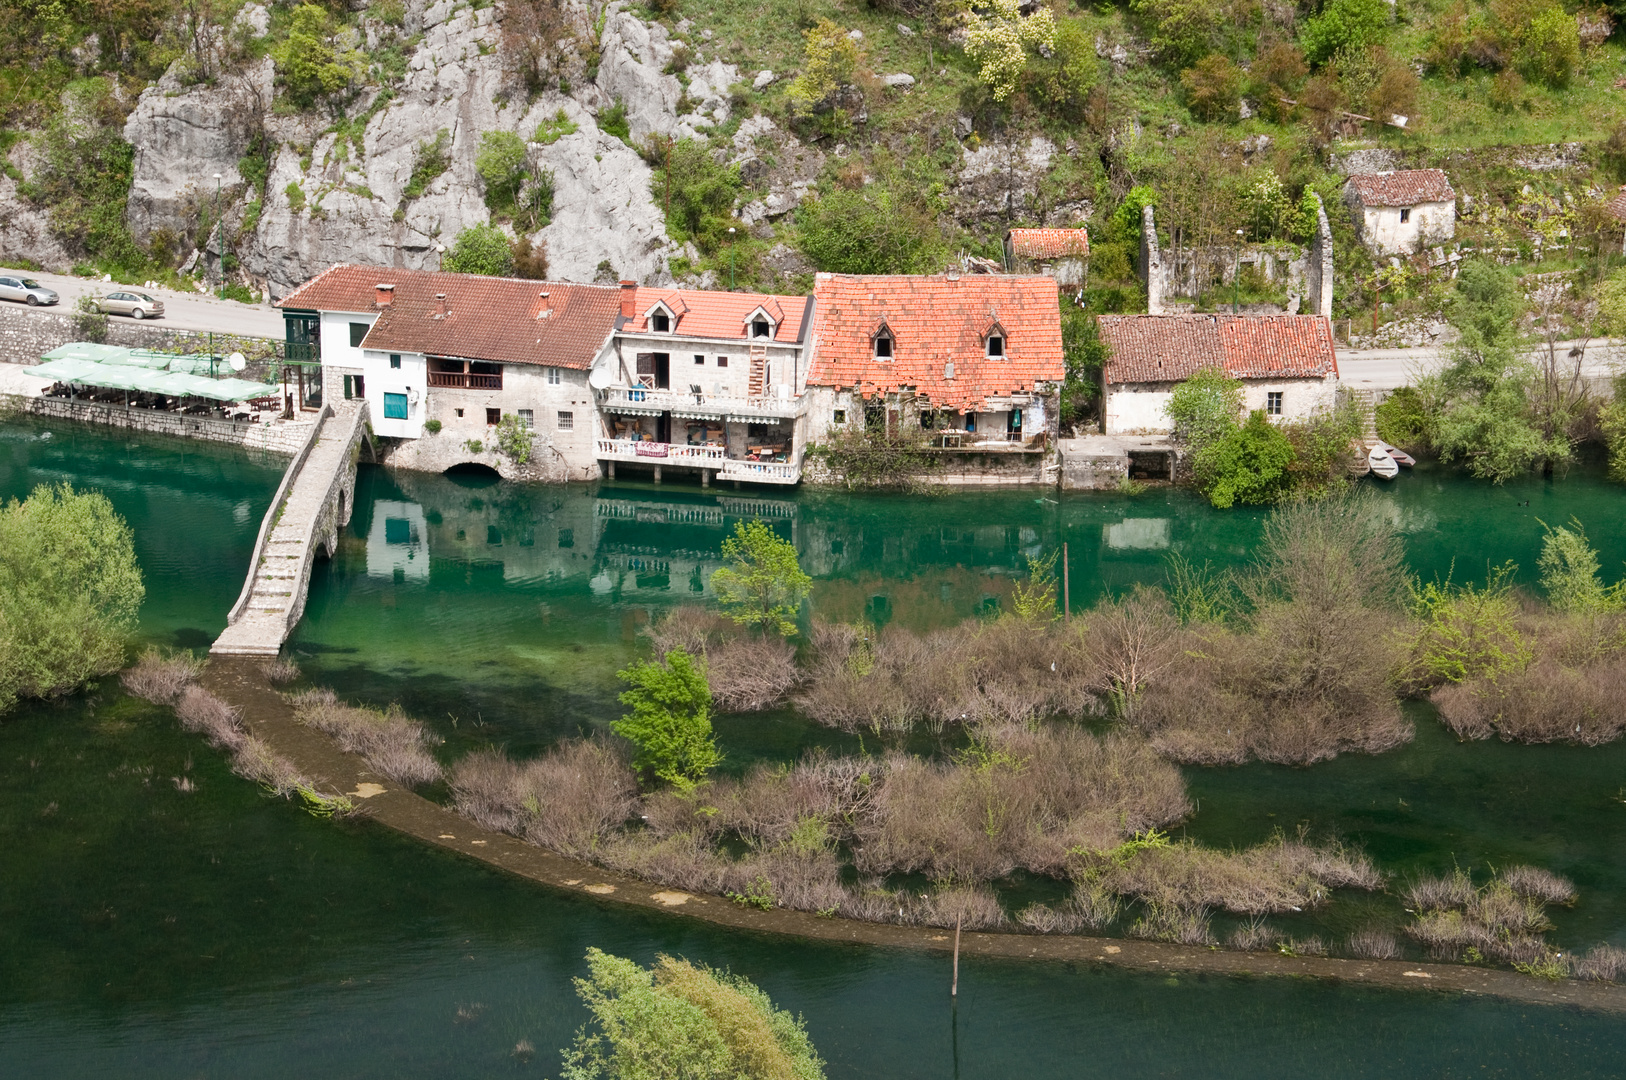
[1402, 211]
[1287, 364]
[706, 382]
[1060, 254]
[976, 359]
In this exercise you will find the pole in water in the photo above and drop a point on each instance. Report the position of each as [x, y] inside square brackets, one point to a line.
[1066, 586]
[954, 986]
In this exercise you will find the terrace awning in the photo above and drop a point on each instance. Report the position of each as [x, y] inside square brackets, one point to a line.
[172, 383]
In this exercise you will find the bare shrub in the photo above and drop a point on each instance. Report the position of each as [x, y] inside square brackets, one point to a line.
[202, 712]
[161, 678]
[1439, 893]
[682, 860]
[975, 907]
[690, 628]
[1310, 946]
[1129, 642]
[1021, 798]
[1539, 884]
[1372, 944]
[394, 744]
[1167, 922]
[1543, 702]
[772, 806]
[1095, 906]
[1604, 963]
[1495, 919]
[573, 799]
[255, 760]
[280, 671]
[804, 880]
[748, 673]
[1255, 935]
[1281, 875]
[1043, 919]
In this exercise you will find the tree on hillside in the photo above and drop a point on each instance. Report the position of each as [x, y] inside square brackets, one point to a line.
[70, 592]
[763, 584]
[311, 62]
[678, 1020]
[480, 249]
[879, 228]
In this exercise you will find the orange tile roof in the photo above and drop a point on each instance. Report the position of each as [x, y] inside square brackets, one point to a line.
[1049, 243]
[483, 318]
[705, 313]
[1405, 187]
[1616, 207]
[1169, 348]
[936, 321]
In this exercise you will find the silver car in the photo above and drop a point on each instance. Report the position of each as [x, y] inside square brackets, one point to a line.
[134, 304]
[27, 290]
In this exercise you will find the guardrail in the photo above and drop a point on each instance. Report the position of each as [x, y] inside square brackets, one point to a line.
[273, 511]
[638, 397]
[675, 453]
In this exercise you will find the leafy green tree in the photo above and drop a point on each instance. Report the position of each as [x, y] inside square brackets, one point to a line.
[700, 193]
[1612, 421]
[1344, 24]
[480, 249]
[1213, 87]
[998, 38]
[1405, 419]
[1205, 408]
[829, 61]
[1540, 39]
[1063, 81]
[670, 721]
[763, 584]
[500, 162]
[878, 229]
[310, 63]
[70, 592]
[83, 175]
[683, 1022]
[1084, 355]
[1248, 466]
[1569, 573]
[1184, 31]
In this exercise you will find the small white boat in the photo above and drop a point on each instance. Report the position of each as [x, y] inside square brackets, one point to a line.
[1383, 466]
[1403, 459]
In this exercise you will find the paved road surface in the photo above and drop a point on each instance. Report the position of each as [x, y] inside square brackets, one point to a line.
[183, 311]
[1385, 369]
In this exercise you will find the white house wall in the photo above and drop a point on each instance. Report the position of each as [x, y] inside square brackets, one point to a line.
[526, 386]
[785, 369]
[1428, 224]
[335, 335]
[379, 378]
[1301, 398]
[1137, 410]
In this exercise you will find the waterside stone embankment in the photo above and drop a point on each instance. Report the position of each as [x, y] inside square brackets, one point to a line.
[241, 683]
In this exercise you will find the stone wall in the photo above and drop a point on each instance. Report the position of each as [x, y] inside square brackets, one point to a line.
[26, 334]
[281, 438]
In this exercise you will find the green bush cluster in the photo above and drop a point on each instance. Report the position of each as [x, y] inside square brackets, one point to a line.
[480, 249]
[696, 193]
[670, 719]
[311, 62]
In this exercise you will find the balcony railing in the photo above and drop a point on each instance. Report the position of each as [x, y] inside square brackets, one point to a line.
[689, 403]
[697, 457]
[464, 380]
[761, 472]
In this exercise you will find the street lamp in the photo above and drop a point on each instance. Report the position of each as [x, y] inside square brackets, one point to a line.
[1236, 277]
[731, 258]
[220, 235]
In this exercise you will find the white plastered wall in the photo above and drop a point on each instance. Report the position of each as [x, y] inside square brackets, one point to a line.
[1427, 224]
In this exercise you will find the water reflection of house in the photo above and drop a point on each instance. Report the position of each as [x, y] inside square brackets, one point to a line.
[1138, 534]
[398, 542]
[707, 382]
[654, 544]
[974, 360]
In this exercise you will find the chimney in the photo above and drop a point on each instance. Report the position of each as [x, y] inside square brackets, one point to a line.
[544, 306]
[440, 305]
[629, 299]
[383, 294]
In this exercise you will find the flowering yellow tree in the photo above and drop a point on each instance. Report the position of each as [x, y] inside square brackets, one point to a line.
[998, 40]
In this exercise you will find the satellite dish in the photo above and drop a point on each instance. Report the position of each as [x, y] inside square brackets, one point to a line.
[237, 361]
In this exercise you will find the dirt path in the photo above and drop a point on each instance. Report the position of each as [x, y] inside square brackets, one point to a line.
[240, 682]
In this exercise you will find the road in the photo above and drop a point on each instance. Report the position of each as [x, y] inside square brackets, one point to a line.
[1385, 369]
[182, 311]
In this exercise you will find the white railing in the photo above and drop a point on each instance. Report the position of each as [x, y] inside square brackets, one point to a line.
[637, 397]
[675, 453]
[762, 472]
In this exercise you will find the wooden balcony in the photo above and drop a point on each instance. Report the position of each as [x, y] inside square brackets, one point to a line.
[465, 380]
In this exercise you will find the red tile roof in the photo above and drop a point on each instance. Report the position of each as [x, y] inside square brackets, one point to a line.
[1049, 243]
[936, 321]
[1169, 348]
[706, 314]
[1407, 187]
[1616, 207]
[483, 318]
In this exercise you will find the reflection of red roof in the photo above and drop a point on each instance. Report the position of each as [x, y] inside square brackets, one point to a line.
[1169, 348]
[1049, 243]
[1405, 187]
[482, 318]
[935, 322]
[705, 314]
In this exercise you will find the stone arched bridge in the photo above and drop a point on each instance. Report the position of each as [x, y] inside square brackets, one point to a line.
[312, 504]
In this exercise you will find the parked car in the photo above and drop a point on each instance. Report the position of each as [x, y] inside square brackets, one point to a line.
[27, 290]
[137, 305]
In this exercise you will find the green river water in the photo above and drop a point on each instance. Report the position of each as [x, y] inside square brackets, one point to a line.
[149, 931]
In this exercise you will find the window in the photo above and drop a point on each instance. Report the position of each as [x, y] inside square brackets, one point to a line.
[699, 358]
[567, 421]
[1405, 214]
[527, 419]
[1273, 403]
[567, 538]
[361, 386]
[883, 346]
[722, 361]
[493, 417]
[395, 407]
[397, 531]
[395, 361]
[761, 328]
[358, 330]
[661, 322]
[840, 416]
[458, 411]
[553, 376]
[996, 345]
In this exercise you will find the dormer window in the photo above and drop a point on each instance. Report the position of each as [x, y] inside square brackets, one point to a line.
[996, 345]
[761, 328]
[883, 345]
[660, 322]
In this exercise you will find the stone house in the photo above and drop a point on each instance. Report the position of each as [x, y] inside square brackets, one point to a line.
[1402, 211]
[441, 358]
[1287, 364]
[704, 381]
[1615, 210]
[976, 359]
[1060, 254]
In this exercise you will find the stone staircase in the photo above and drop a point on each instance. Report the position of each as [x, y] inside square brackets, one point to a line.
[312, 504]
